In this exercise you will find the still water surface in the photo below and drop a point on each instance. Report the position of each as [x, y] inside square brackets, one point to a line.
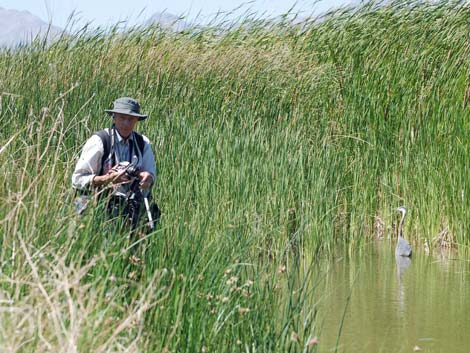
[423, 305]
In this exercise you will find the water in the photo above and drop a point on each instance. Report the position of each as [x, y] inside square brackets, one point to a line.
[423, 305]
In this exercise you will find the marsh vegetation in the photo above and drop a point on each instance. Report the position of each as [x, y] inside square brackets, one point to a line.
[276, 144]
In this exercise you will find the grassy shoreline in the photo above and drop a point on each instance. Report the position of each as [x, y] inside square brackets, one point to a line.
[275, 145]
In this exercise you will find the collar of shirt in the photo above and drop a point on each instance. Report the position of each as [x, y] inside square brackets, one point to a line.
[122, 140]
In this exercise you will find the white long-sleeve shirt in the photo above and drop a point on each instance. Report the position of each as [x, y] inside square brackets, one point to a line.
[91, 157]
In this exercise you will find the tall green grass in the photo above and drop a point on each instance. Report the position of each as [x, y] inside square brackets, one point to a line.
[275, 143]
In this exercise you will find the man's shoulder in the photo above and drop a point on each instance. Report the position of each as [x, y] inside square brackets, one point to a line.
[105, 131]
[92, 145]
[101, 137]
[145, 138]
[94, 140]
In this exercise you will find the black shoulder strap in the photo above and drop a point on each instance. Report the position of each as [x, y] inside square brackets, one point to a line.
[106, 139]
[140, 141]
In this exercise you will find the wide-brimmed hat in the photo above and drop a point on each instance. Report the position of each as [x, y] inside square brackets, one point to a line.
[127, 106]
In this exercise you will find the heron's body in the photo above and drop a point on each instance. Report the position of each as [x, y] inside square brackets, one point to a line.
[403, 247]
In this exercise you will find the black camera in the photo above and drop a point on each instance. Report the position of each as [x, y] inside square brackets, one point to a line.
[132, 171]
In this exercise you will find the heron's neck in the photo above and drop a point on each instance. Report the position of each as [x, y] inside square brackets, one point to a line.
[400, 227]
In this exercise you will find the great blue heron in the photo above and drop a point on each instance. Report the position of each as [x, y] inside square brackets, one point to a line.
[403, 247]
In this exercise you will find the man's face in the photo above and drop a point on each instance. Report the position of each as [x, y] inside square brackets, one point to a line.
[125, 123]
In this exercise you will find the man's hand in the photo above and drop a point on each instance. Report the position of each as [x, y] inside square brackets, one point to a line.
[112, 177]
[145, 180]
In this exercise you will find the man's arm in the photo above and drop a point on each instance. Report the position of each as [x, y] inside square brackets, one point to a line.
[148, 173]
[89, 164]
[103, 180]
[112, 177]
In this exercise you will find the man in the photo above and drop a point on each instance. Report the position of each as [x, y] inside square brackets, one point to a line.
[109, 155]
